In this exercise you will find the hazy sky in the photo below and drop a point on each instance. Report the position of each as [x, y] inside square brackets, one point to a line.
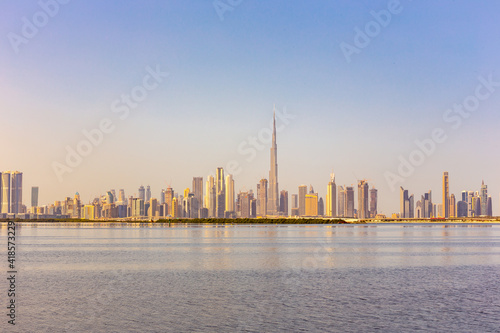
[361, 92]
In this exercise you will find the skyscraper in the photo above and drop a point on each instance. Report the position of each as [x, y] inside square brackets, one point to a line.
[373, 202]
[148, 193]
[331, 197]
[484, 199]
[142, 193]
[273, 198]
[363, 208]
[198, 190]
[349, 202]
[302, 199]
[321, 207]
[311, 204]
[34, 196]
[221, 194]
[263, 198]
[229, 193]
[284, 203]
[210, 196]
[17, 192]
[446, 195]
[5, 192]
[341, 212]
[403, 205]
[453, 208]
[169, 197]
[121, 196]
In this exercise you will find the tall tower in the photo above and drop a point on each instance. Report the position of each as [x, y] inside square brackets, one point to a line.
[363, 210]
[230, 193]
[273, 198]
[302, 200]
[446, 195]
[373, 202]
[210, 196]
[34, 196]
[17, 192]
[484, 199]
[5, 186]
[142, 193]
[263, 198]
[220, 194]
[198, 190]
[331, 197]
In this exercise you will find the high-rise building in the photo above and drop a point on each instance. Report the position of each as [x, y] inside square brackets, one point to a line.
[446, 195]
[411, 207]
[148, 194]
[262, 197]
[229, 193]
[462, 209]
[284, 203]
[470, 210]
[34, 196]
[169, 197]
[175, 208]
[349, 202]
[198, 190]
[363, 208]
[373, 202]
[302, 199]
[321, 207]
[490, 207]
[424, 206]
[341, 212]
[403, 203]
[244, 204]
[311, 204]
[17, 192]
[476, 205]
[11, 192]
[142, 193]
[295, 201]
[453, 208]
[484, 199]
[210, 196]
[121, 196]
[273, 197]
[295, 205]
[221, 193]
[331, 197]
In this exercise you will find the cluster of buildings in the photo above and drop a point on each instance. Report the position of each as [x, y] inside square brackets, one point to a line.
[472, 203]
[11, 193]
[216, 198]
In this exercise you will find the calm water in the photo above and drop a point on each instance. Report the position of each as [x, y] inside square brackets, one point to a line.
[207, 278]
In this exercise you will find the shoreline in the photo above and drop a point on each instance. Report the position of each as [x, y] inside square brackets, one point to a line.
[479, 220]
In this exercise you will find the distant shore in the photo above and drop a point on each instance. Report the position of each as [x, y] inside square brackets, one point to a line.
[267, 220]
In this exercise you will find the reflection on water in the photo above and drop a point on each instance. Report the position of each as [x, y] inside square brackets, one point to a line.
[159, 277]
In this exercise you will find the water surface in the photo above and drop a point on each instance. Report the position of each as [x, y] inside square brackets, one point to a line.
[256, 278]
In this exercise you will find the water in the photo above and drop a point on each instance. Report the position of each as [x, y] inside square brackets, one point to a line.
[245, 278]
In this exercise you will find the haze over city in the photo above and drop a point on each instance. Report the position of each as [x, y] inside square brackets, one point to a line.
[356, 113]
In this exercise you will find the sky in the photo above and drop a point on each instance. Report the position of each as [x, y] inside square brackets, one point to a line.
[394, 92]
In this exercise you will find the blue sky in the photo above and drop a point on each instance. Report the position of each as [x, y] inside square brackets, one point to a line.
[355, 118]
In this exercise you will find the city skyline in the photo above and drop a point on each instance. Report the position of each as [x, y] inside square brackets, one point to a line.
[158, 100]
